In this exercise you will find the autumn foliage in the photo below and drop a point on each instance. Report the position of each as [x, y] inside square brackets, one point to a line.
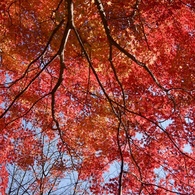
[97, 97]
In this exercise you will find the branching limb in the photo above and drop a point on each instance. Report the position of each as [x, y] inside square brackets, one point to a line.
[121, 158]
[116, 76]
[114, 43]
[28, 85]
[38, 57]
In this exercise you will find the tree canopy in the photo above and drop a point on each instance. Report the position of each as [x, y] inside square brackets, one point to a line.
[97, 97]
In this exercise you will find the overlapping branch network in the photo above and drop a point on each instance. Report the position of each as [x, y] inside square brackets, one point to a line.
[119, 110]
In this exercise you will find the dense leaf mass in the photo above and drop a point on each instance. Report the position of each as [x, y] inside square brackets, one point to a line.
[97, 97]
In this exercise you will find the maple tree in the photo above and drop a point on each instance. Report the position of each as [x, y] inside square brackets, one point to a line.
[97, 97]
